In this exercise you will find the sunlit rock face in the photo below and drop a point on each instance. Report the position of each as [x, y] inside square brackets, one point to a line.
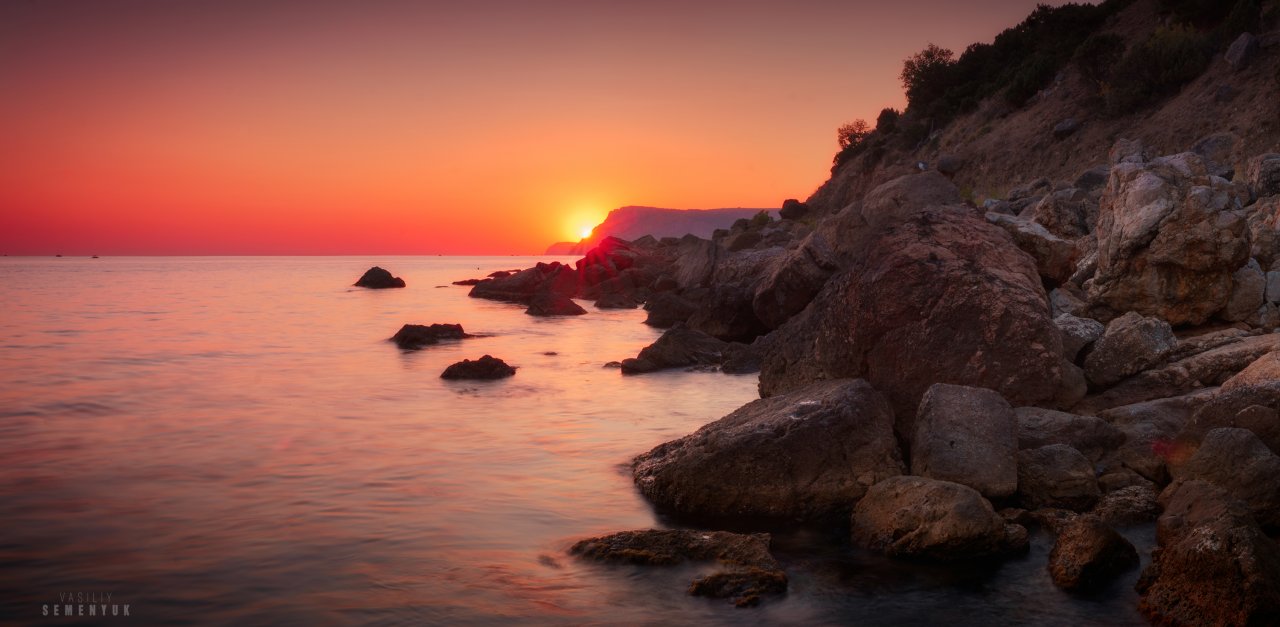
[1170, 236]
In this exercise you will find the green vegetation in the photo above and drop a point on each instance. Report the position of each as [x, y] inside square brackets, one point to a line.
[1025, 59]
[1156, 68]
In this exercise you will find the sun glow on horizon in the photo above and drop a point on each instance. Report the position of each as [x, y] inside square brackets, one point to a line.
[586, 232]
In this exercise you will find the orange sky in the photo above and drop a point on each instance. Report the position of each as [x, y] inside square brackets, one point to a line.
[394, 126]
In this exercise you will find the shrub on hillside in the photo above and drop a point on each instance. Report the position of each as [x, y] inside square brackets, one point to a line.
[887, 121]
[1097, 56]
[1158, 67]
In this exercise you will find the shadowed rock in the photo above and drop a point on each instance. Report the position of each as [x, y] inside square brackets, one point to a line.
[939, 297]
[678, 347]
[1237, 461]
[969, 436]
[750, 570]
[916, 517]
[805, 455]
[1056, 476]
[1132, 343]
[1214, 565]
[377, 278]
[486, 367]
[1088, 555]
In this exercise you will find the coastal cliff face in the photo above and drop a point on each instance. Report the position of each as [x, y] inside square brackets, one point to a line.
[630, 223]
[1100, 323]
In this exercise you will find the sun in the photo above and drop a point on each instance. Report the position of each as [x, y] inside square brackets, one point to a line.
[586, 232]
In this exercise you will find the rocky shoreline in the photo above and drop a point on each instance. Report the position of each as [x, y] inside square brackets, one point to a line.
[937, 377]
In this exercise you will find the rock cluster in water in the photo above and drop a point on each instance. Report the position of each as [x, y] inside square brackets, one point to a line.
[1081, 357]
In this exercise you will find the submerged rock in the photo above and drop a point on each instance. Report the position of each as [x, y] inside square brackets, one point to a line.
[916, 517]
[750, 570]
[776, 457]
[415, 336]
[487, 367]
[377, 278]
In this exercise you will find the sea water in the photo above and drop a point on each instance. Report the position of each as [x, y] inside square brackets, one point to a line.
[234, 439]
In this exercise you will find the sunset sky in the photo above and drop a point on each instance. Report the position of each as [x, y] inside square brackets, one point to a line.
[400, 127]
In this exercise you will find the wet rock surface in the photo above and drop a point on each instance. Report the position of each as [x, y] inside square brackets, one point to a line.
[808, 454]
[916, 517]
[750, 572]
[1088, 555]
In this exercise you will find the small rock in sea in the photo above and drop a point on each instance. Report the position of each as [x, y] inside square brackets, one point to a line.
[550, 353]
[612, 364]
[415, 336]
[377, 278]
[750, 571]
[468, 282]
[487, 367]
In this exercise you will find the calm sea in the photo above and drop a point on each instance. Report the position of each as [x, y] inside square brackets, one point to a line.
[234, 440]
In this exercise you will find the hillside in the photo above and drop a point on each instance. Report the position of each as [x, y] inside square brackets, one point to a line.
[996, 146]
[631, 223]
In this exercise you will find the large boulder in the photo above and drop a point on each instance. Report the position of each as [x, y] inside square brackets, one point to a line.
[898, 199]
[487, 367]
[940, 297]
[728, 311]
[1056, 475]
[917, 517]
[1088, 555]
[748, 569]
[794, 281]
[808, 454]
[1131, 344]
[378, 278]
[1169, 238]
[1092, 436]
[1214, 565]
[1236, 460]
[968, 436]
[679, 347]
